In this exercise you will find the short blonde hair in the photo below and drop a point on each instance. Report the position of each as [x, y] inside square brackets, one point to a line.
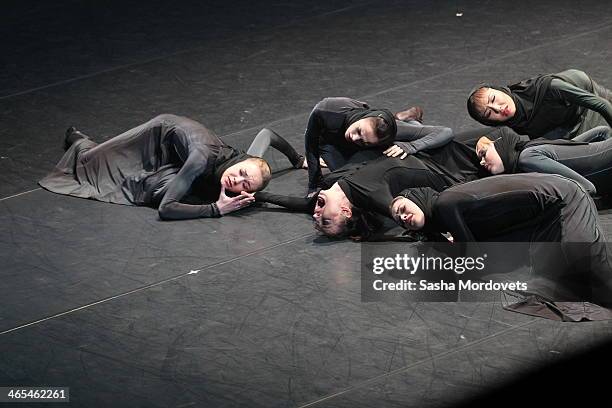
[266, 171]
[482, 143]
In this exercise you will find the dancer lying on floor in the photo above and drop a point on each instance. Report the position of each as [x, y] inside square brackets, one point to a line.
[171, 163]
[343, 130]
[537, 208]
[554, 106]
[590, 164]
[369, 187]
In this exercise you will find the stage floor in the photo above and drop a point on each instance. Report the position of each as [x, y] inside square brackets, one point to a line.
[253, 309]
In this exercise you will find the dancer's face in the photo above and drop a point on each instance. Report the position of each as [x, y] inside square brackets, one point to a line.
[489, 158]
[363, 133]
[407, 214]
[331, 211]
[242, 176]
[494, 105]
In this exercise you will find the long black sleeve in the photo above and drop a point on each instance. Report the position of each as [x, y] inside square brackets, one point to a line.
[170, 207]
[414, 138]
[311, 140]
[326, 125]
[266, 138]
[449, 213]
[298, 204]
[579, 96]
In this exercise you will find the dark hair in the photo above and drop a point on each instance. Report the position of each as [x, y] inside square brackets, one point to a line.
[362, 225]
[359, 226]
[384, 132]
[471, 106]
[478, 115]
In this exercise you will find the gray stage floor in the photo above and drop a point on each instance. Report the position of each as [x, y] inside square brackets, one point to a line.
[252, 309]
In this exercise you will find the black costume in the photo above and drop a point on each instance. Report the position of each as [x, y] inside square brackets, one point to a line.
[371, 185]
[588, 163]
[170, 162]
[555, 106]
[375, 186]
[327, 124]
[532, 208]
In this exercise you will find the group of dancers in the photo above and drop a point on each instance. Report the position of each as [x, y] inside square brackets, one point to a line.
[534, 174]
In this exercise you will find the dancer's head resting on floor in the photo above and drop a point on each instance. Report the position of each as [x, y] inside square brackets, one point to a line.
[250, 175]
[489, 156]
[333, 212]
[413, 209]
[491, 105]
[335, 216]
[502, 154]
[407, 213]
[370, 127]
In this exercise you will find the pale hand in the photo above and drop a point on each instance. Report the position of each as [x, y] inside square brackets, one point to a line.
[395, 151]
[227, 204]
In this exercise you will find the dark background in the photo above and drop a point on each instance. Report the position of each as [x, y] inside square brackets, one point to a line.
[99, 297]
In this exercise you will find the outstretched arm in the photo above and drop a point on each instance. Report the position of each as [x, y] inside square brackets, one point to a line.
[293, 203]
[584, 98]
[266, 138]
[413, 137]
[423, 137]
